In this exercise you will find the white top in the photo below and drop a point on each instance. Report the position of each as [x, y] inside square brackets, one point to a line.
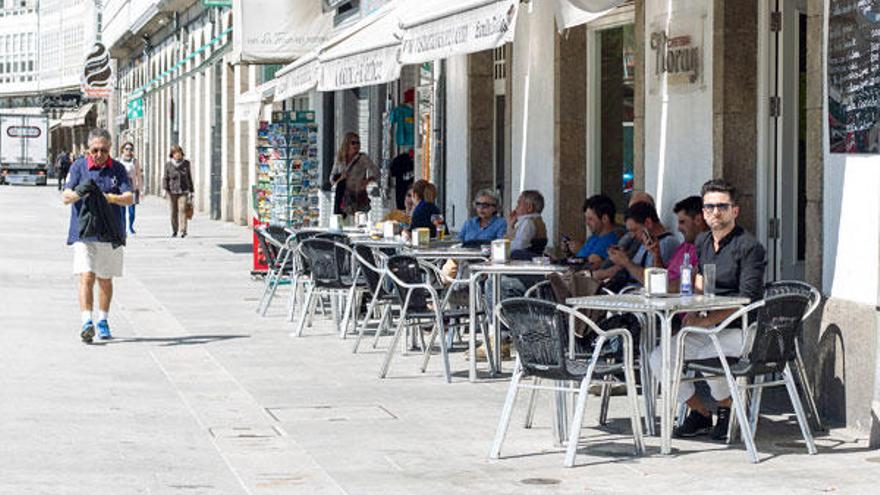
[524, 231]
[129, 166]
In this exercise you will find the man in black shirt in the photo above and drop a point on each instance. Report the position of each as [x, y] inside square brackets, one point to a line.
[739, 261]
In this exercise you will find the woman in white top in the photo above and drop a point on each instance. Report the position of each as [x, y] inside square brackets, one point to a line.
[135, 175]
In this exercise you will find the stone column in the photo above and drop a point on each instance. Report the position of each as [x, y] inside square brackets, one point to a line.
[571, 138]
[481, 111]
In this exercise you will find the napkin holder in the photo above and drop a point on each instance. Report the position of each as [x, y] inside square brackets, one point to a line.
[655, 281]
[500, 250]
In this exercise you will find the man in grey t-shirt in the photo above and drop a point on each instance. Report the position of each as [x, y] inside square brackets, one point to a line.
[658, 244]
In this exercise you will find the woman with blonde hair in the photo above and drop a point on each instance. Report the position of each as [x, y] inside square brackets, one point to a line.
[351, 173]
[178, 186]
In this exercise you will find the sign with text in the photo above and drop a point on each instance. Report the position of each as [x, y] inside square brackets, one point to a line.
[428, 36]
[364, 69]
[854, 76]
[278, 31]
[676, 58]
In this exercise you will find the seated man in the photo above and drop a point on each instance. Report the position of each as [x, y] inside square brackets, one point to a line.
[528, 238]
[657, 247]
[691, 224]
[525, 227]
[739, 266]
[599, 214]
[487, 225]
[615, 276]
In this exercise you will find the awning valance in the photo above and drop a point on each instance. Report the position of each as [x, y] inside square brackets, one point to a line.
[436, 29]
[267, 31]
[365, 54]
[571, 13]
[249, 103]
[298, 78]
[76, 117]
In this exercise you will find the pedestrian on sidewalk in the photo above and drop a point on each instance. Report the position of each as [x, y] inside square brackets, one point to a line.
[178, 186]
[351, 173]
[62, 166]
[94, 220]
[135, 177]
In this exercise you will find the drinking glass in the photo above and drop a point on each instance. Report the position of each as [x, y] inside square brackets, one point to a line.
[709, 280]
[438, 222]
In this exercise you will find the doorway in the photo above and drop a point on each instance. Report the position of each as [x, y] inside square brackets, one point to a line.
[787, 161]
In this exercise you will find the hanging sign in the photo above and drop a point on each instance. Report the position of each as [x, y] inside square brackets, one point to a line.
[136, 109]
[278, 31]
[97, 75]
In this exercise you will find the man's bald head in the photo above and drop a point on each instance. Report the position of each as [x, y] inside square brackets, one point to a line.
[641, 197]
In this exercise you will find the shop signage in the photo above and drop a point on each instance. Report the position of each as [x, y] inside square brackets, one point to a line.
[676, 57]
[136, 109]
[217, 3]
[97, 75]
[854, 76]
[62, 101]
[299, 80]
[430, 37]
[278, 31]
[365, 69]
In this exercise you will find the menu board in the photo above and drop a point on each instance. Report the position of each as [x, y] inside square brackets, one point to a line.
[854, 76]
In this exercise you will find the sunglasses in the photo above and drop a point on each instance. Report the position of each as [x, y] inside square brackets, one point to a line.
[722, 207]
[128, 148]
[478, 204]
[356, 143]
[95, 151]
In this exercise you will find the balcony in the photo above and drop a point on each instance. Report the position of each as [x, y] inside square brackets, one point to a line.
[126, 22]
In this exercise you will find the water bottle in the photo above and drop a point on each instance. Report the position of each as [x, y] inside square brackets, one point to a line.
[687, 287]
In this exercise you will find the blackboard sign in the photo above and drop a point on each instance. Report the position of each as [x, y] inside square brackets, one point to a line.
[854, 76]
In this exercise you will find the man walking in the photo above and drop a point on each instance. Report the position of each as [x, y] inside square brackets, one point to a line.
[62, 167]
[94, 221]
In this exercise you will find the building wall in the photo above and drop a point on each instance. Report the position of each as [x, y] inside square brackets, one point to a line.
[19, 63]
[533, 114]
[678, 147]
[457, 152]
[68, 30]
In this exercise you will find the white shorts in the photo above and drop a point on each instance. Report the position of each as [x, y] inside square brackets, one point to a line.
[97, 257]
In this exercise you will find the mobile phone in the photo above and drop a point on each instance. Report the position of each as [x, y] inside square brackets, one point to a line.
[648, 236]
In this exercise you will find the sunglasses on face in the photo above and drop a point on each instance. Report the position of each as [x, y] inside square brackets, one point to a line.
[127, 149]
[722, 207]
[95, 151]
[356, 143]
[484, 205]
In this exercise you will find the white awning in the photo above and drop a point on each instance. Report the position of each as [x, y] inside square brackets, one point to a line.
[298, 78]
[249, 103]
[570, 13]
[436, 29]
[76, 117]
[267, 31]
[365, 54]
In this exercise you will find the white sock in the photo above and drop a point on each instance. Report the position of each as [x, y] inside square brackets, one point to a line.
[102, 315]
[86, 316]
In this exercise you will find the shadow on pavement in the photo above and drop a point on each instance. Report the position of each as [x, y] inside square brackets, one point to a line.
[172, 341]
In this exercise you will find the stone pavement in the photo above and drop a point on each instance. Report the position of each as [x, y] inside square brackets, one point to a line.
[197, 394]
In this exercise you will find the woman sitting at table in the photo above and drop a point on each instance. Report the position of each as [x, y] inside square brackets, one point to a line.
[423, 195]
[487, 225]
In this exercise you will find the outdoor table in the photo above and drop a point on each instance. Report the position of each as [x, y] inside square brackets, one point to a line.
[454, 252]
[665, 306]
[495, 271]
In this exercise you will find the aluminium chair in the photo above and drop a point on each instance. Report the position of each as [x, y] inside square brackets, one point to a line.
[542, 331]
[768, 349]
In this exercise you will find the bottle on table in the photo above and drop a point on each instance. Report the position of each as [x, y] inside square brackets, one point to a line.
[687, 285]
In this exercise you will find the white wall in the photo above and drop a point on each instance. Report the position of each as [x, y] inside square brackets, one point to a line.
[850, 218]
[533, 114]
[457, 149]
[678, 119]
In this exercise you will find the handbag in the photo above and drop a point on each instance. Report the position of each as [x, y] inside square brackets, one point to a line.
[189, 210]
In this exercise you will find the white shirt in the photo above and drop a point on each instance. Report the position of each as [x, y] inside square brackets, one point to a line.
[524, 232]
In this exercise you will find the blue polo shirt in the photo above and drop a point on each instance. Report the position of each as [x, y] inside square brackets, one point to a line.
[598, 245]
[471, 231]
[112, 180]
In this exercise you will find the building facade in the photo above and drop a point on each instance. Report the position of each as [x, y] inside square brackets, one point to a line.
[19, 67]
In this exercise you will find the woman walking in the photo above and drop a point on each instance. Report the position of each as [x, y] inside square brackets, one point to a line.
[178, 185]
[351, 173]
[135, 177]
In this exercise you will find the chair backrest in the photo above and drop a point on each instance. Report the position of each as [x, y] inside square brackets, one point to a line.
[272, 239]
[540, 334]
[407, 270]
[542, 290]
[778, 324]
[795, 287]
[334, 236]
[367, 261]
[330, 263]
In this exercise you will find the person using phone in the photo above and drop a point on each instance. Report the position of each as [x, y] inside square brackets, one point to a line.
[599, 212]
[658, 244]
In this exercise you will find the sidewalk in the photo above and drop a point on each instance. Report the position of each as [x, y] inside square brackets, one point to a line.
[197, 394]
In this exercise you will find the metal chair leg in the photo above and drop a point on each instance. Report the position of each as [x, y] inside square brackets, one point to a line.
[740, 411]
[504, 422]
[799, 409]
[634, 411]
[807, 389]
[362, 326]
[291, 299]
[394, 341]
[530, 412]
[307, 304]
[755, 404]
[605, 396]
[578, 419]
